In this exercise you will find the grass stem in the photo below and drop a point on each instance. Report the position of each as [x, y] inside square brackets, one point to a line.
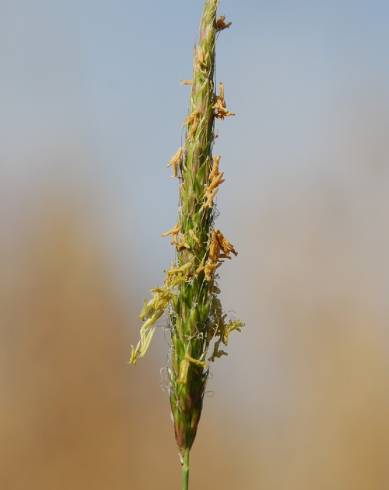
[185, 470]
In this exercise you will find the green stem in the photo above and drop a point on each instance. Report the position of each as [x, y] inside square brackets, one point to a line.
[185, 470]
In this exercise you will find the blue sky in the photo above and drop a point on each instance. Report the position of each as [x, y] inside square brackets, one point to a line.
[90, 95]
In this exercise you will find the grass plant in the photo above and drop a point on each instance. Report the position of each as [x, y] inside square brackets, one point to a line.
[190, 294]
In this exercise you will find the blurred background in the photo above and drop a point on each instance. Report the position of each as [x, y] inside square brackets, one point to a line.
[91, 111]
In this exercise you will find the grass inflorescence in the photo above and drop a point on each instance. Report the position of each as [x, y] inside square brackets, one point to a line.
[190, 294]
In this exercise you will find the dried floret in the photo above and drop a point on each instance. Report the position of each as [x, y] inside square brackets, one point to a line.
[221, 23]
[180, 244]
[220, 106]
[176, 161]
[216, 178]
[225, 245]
[192, 122]
[174, 231]
[215, 167]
